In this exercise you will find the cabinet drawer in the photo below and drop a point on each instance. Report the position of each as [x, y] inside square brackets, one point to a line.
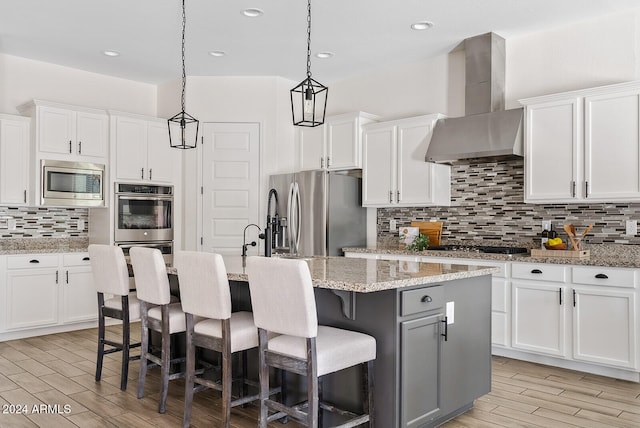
[32, 261]
[76, 259]
[604, 276]
[541, 272]
[422, 299]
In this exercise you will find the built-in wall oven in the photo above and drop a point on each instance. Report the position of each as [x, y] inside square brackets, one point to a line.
[144, 216]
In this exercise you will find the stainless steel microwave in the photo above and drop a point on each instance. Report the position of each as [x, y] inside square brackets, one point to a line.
[72, 183]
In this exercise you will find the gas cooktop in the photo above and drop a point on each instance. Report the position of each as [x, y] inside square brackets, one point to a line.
[479, 249]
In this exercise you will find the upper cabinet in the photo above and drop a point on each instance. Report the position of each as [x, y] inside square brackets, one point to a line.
[141, 150]
[583, 146]
[14, 159]
[394, 171]
[69, 133]
[336, 145]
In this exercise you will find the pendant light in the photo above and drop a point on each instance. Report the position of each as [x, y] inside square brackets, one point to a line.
[309, 98]
[184, 120]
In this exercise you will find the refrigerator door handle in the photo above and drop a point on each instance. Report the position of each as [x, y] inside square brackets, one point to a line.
[297, 216]
[290, 217]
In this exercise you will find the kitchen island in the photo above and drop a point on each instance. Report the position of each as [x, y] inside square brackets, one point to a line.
[432, 324]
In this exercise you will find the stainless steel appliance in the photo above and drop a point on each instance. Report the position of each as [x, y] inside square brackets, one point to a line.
[144, 213]
[319, 213]
[72, 183]
[166, 248]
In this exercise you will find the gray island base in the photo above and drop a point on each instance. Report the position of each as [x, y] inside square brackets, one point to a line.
[432, 324]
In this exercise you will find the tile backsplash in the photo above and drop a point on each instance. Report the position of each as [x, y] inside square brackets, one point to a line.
[43, 222]
[487, 203]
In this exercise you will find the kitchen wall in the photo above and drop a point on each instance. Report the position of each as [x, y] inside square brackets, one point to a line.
[43, 222]
[487, 203]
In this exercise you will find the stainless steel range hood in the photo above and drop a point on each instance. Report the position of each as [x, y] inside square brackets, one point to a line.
[487, 129]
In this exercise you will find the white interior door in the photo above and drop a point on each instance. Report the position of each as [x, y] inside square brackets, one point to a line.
[230, 182]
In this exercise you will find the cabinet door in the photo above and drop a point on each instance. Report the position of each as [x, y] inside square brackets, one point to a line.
[131, 149]
[414, 176]
[91, 134]
[612, 146]
[604, 327]
[379, 167]
[311, 143]
[538, 317]
[161, 157]
[32, 298]
[56, 130]
[14, 162]
[500, 309]
[343, 144]
[553, 151]
[79, 295]
[420, 371]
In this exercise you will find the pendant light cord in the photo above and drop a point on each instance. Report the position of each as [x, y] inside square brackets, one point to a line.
[184, 73]
[308, 38]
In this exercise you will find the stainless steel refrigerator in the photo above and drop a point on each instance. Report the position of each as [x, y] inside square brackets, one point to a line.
[319, 212]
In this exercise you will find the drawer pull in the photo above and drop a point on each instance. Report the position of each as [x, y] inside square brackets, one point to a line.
[34, 261]
[560, 295]
[536, 271]
[602, 276]
[574, 298]
[446, 329]
[85, 259]
[426, 299]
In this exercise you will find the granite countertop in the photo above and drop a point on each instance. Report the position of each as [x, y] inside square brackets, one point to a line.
[10, 246]
[605, 255]
[368, 275]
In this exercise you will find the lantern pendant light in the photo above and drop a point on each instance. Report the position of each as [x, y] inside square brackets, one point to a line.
[186, 122]
[309, 97]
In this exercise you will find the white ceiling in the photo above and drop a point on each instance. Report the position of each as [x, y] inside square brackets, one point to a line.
[363, 34]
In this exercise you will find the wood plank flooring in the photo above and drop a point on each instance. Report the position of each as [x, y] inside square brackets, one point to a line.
[59, 370]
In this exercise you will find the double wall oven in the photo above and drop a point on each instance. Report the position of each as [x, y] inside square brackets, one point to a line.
[144, 217]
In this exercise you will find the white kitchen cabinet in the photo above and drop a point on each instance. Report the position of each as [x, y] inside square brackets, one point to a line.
[394, 172]
[68, 132]
[142, 151]
[44, 293]
[14, 159]
[583, 145]
[335, 145]
[538, 304]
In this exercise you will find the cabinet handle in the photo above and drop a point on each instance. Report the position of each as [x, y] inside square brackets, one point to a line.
[79, 147]
[390, 197]
[150, 173]
[142, 173]
[446, 329]
[602, 276]
[25, 196]
[67, 276]
[69, 146]
[85, 259]
[328, 161]
[586, 189]
[573, 189]
[574, 298]
[536, 271]
[398, 196]
[56, 277]
[560, 295]
[34, 261]
[426, 299]
[321, 162]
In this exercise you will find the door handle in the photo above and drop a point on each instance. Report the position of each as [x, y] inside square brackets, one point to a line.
[70, 146]
[79, 147]
[67, 276]
[446, 329]
[142, 173]
[56, 277]
[150, 173]
[560, 295]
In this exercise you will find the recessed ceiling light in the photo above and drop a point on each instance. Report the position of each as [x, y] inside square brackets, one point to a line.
[324, 55]
[422, 25]
[217, 53]
[110, 53]
[252, 12]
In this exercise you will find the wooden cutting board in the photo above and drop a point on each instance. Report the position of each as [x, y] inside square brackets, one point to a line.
[433, 229]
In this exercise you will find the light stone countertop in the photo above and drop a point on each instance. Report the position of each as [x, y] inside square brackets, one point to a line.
[367, 275]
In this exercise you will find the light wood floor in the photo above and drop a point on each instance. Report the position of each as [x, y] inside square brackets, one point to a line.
[59, 370]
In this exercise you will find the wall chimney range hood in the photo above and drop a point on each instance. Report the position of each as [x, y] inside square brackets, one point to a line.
[487, 129]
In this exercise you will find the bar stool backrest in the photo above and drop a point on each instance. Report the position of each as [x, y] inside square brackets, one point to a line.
[109, 269]
[150, 273]
[282, 296]
[204, 287]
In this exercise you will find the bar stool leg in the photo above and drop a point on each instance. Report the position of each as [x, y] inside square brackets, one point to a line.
[101, 332]
[191, 368]
[227, 377]
[369, 385]
[312, 384]
[144, 348]
[126, 334]
[165, 358]
[264, 377]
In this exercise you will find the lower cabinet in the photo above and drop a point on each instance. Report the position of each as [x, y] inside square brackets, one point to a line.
[43, 291]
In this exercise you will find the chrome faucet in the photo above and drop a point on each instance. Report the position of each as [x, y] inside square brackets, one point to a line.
[252, 243]
[273, 224]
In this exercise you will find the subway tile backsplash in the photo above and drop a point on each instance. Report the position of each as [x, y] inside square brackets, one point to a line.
[43, 222]
[487, 203]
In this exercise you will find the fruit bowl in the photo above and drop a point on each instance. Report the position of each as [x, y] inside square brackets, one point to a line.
[561, 246]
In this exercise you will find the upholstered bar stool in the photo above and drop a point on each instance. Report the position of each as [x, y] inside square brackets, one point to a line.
[204, 292]
[283, 302]
[111, 277]
[157, 313]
